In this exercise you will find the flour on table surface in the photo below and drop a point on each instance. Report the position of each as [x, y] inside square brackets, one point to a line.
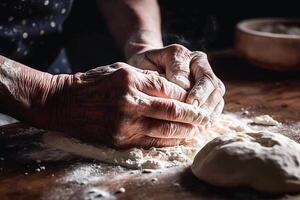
[153, 158]
[132, 158]
[47, 154]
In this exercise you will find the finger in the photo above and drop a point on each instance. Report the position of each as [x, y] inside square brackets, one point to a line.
[148, 142]
[166, 129]
[206, 81]
[175, 59]
[171, 110]
[199, 65]
[216, 113]
[212, 101]
[201, 129]
[201, 91]
[154, 85]
[143, 62]
[221, 86]
[178, 68]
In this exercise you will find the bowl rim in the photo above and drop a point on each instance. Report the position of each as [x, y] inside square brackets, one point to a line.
[242, 26]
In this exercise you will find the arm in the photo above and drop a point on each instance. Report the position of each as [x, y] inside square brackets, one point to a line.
[24, 91]
[135, 24]
[100, 105]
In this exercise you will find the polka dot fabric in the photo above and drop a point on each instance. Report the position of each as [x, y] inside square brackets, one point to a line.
[24, 22]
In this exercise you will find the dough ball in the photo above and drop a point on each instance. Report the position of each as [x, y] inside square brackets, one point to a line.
[265, 161]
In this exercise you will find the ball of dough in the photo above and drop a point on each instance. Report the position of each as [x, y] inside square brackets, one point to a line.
[264, 161]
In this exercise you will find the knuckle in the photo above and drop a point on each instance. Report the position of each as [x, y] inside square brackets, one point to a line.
[158, 83]
[200, 54]
[177, 48]
[210, 76]
[123, 101]
[200, 61]
[118, 65]
[127, 103]
[197, 93]
[125, 76]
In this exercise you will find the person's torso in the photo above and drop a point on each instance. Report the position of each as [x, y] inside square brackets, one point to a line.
[27, 26]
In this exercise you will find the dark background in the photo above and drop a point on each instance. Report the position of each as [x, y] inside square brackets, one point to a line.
[199, 25]
[210, 24]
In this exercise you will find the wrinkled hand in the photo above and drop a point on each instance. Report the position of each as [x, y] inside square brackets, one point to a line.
[123, 106]
[190, 70]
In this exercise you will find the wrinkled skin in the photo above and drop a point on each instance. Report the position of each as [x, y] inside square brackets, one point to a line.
[191, 71]
[121, 106]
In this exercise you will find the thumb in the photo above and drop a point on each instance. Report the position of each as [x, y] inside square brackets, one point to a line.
[175, 60]
[142, 62]
[178, 70]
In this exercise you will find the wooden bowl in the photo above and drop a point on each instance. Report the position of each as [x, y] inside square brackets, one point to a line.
[269, 49]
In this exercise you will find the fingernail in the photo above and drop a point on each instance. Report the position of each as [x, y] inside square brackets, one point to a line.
[182, 81]
[196, 103]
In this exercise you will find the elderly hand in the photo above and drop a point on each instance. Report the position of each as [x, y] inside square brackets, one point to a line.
[121, 106]
[190, 70]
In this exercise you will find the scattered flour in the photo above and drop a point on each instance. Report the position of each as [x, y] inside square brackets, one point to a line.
[265, 120]
[153, 158]
[83, 174]
[47, 154]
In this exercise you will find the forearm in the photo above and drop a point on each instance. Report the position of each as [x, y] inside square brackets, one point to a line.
[23, 89]
[135, 24]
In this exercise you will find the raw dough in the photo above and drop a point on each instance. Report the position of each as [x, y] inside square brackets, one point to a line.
[265, 161]
[238, 155]
[153, 158]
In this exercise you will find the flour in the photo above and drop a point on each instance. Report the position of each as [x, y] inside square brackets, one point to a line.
[281, 29]
[265, 120]
[153, 158]
[83, 174]
[8, 70]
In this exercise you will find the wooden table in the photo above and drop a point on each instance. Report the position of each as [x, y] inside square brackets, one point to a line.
[248, 88]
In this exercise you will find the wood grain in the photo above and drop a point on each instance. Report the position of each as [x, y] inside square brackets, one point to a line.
[248, 88]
